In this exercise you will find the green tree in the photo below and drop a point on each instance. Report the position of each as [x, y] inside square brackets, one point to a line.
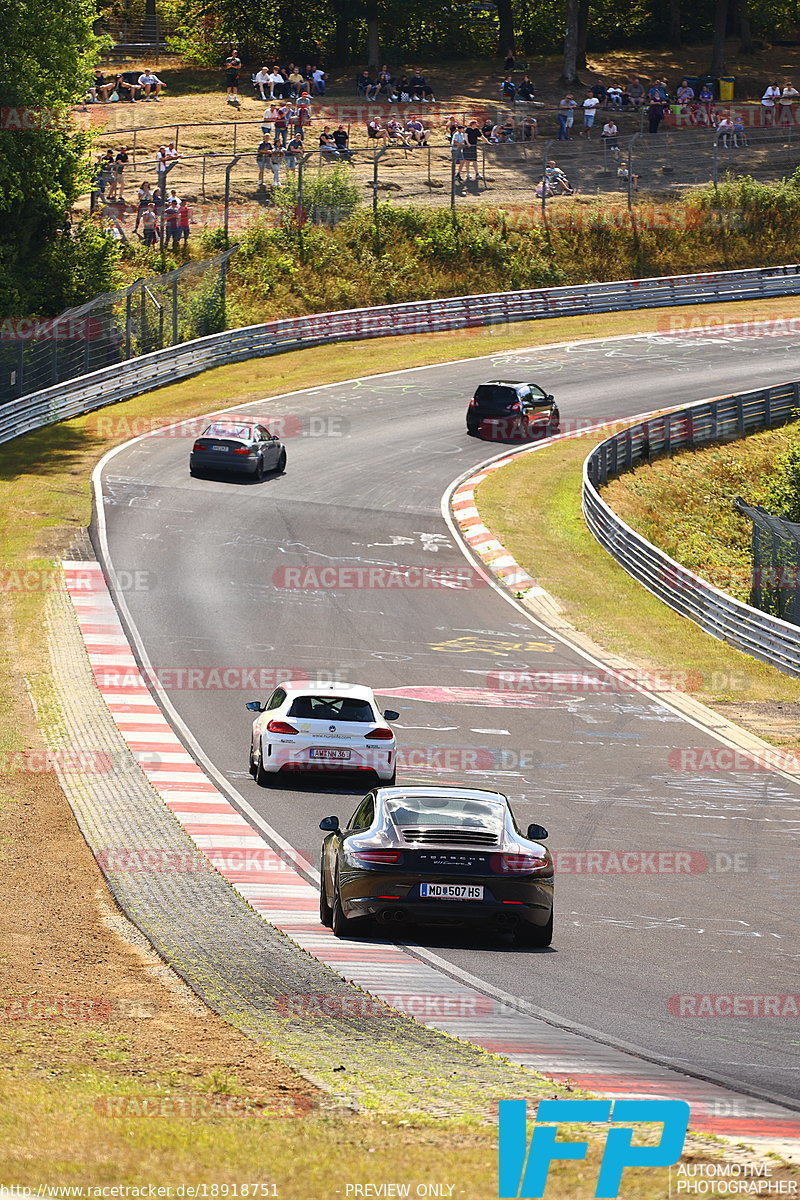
[47, 53]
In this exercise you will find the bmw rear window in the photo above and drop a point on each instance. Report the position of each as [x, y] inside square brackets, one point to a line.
[332, 708]
[243, 432]
[495, 396]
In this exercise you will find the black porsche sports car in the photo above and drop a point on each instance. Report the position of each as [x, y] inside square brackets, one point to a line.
[505, 409]
[436, 855]
[237, 447]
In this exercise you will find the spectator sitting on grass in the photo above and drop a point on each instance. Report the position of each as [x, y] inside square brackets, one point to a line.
[417, 131]
[124, 89]
[400, 88]
[614, 97]
[366, 86]
[295, 81]
[101, 88]
[530, 128]
[419, 88]
[384, 82]
[526, 89]
[319, 81]
[599, 91]
[508, 90]
[151, 85]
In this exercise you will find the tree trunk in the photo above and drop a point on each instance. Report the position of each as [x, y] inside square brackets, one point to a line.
[674, 24]
[505, 14]
[583, 31]
[718, 45]
[373, 39]
[570, 74]
[341, 16]
[745, 29]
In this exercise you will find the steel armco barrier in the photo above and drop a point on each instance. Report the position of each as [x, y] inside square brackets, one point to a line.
[747, 629]
[126, 379]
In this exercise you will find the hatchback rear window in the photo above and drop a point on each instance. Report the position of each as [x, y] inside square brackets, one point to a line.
[332, 708]
[494, 396]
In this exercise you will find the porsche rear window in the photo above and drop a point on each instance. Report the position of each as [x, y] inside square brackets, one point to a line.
[219, 430]
[332, 708]
[441, 810]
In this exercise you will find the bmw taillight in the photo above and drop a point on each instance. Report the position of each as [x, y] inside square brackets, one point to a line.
[381, 734]
[376, 856]
[244, 450]
[280, 727]
[198, 446]
[516, 864]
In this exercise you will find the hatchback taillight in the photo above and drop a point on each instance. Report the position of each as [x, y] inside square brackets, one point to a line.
[381, 734]
[516, 864]
[473, 403]
[280, 727]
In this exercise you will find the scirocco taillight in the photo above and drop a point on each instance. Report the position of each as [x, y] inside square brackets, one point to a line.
[280, 727]
[381, 734]
[516, 864]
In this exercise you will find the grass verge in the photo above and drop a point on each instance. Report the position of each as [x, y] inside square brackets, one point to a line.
[601, 599]
[51, 1077]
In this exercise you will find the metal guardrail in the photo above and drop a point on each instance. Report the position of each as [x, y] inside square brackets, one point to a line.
[757, 633]
[125, 379]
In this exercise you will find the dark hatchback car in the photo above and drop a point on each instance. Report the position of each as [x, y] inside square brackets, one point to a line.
[504, 409]
[237, 447]
[436, 856]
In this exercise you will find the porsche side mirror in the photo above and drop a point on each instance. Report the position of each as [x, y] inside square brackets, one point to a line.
[329, 824]
[537, 833]
[254, 706]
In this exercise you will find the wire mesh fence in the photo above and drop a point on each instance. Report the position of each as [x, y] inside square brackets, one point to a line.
[410, 160]
[150, 314]
[775, 581]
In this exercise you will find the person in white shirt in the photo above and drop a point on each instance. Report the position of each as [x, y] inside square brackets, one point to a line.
[318, 76]
[787, 98]
[276, 80]
[768, 101]
[614, 96]
[724, 130]
[590, 107]
[261, 80]
[609, 135]
[150, 84]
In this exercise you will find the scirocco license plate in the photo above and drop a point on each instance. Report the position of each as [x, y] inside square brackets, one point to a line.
[450, 891]
[338, 755]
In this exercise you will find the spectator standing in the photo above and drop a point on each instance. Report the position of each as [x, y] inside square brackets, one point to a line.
[566, 116]
[184, 218]
[473, 134]
[281, 123]
[118, 183]
[263, 158]
[655, 115]
[303, 110]
[144, 199]
[170, 219]
[276, 158]
[294, 148]
[788, 97]
[149, 225]
[768, 102]
[233, 65]
[590, 107]
[457, 143]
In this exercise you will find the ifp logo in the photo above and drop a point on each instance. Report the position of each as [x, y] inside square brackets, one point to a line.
[522, 1169]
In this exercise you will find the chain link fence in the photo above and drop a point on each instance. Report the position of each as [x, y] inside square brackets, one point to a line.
[775, 582]
[150, 314]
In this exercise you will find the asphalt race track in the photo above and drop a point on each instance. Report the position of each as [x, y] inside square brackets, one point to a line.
[363, 488]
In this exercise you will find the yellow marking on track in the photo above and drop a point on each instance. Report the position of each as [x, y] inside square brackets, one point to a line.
[472, 645]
